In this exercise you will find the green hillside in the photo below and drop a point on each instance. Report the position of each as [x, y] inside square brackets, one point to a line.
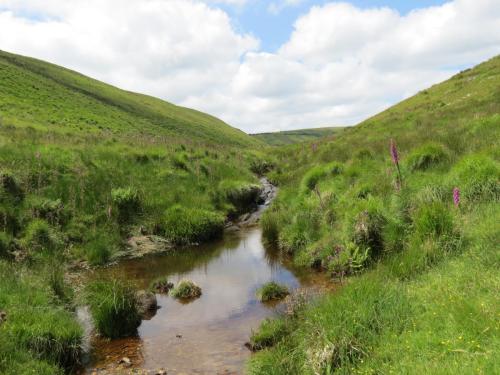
[45, 96]
[296, 136]
[413, 238]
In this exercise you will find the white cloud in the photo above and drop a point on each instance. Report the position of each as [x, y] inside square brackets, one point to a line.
[170, 48]
[276, 7]
[340, 65]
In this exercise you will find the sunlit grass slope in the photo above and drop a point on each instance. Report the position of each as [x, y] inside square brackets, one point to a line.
[46, 96]
[411, 231]
[296, 136]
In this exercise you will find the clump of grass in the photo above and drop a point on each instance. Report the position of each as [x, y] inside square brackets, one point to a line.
[180, 161]
[54, 274]
[433, 219]
[51, 210]
[347, 260]
[161, 285]
[39, 236]
[269, 333]
[127, 201]
[186, 289]
[184, 226]
[42, 332]
[477, 177]
[272, 291]
[99, 249]
[15, 360]
[426, 156]
[313, 177]
[269, 222]
[368, 228]
[335, 168]
[260, 166]
[345, 326]
[10, 188]
[5, 245]
[114, 308]
[241, 195]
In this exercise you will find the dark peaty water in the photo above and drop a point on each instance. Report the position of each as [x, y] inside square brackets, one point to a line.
[207, 335]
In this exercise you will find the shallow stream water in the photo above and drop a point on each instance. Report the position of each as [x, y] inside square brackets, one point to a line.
[207, 335]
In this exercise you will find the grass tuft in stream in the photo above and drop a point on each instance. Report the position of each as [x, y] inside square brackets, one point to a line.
[272, 291]
[114, 308]
[186, 289]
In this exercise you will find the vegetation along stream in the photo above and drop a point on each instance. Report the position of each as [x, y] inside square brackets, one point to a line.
[208, 334]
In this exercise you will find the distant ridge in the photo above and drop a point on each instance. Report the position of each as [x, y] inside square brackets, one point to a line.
[296, 136]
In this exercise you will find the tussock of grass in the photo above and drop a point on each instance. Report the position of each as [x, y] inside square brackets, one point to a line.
[186, 289]
[40, 236]
[426, 156]
[272, 291]
[5, 245]
[242, 196]
[114, 308]
[127, 201]
[184, 226]
[161, 285]
[38, 332]
[270, 332]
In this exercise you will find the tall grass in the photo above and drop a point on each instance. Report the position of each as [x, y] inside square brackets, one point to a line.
[113, 307]
[418, 239]
[39, 333]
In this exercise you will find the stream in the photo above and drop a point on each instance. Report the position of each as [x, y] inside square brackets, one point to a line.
[206, 335]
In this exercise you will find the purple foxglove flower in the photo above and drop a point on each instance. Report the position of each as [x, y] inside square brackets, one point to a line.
[456, 196]
[394, 152]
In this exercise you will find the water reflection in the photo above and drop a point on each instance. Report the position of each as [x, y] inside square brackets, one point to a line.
[207, 335]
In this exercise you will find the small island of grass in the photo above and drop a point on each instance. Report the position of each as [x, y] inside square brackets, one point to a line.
[186, 289]
[272, 291]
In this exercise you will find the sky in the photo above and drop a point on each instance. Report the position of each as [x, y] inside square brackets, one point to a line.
[260, 65]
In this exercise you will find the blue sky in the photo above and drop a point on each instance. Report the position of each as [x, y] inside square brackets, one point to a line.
[274, 28]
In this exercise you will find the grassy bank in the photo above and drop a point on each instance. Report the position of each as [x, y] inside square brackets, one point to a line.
[410, 230]
[83, 167]
[39, 334]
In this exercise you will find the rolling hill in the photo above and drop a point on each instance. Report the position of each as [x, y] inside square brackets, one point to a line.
[46, 96]
[403, 210]
[296, 136]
